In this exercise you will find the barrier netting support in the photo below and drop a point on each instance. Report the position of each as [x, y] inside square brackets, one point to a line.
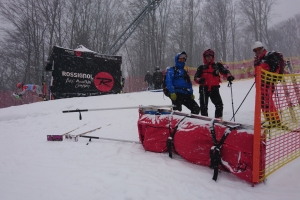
[276, 122]
[7, 99]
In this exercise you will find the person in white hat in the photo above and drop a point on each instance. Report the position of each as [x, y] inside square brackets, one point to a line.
[272, 119]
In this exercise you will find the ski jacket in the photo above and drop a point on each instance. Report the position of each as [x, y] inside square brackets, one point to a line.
[177, 79]
[210, 72]
[148, 78]
[262, 61]
[158, 77]
[31, 87]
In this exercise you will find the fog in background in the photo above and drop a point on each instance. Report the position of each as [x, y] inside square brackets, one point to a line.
[30, 29]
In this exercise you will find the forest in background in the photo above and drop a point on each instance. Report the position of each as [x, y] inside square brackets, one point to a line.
[32, 27]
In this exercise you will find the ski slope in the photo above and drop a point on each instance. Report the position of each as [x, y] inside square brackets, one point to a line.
[33, 168]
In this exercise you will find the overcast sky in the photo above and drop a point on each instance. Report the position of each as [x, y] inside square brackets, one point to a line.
[286, 9]
[283, 10]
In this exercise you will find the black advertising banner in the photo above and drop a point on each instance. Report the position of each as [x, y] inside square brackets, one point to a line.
[79, 73]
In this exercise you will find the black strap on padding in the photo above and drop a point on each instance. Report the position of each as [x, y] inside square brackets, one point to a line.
[170, 143]
[215, 151]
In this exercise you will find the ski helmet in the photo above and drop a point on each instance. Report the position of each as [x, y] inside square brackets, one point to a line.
[19, 85]
[182, 55]
[209, 52]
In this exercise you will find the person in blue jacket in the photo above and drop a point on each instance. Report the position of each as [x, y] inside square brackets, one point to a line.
[179, 85]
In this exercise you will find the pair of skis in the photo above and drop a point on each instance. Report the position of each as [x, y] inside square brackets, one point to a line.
[69, 136]
[16, 96]
[75, 137]
[40, 98]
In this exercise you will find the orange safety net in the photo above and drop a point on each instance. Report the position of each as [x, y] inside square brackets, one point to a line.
[240, 70]
[280, 119]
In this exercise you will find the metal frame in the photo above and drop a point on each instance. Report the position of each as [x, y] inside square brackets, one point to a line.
[116, 46]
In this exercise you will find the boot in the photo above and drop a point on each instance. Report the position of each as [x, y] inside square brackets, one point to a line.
[277, 125]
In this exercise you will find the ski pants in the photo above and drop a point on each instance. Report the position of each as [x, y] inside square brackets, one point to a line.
[149, 86]
[157, 85]
[187, 101]
[215, 98]
[267, 104]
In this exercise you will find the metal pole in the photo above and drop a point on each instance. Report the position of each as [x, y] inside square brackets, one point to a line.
[118, 108]
[230, 85]
[242, 102]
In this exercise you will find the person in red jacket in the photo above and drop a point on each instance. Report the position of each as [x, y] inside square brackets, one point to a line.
[208, 78]
[267, 87]
[30, 87]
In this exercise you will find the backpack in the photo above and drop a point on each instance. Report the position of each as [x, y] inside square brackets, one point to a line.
[164, 85]
[274, 60]
[165, 89]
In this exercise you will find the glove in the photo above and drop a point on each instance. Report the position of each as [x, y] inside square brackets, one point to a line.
[173, 96]
[192, 96]
[230, 78]
[200, 80]
[216, 72]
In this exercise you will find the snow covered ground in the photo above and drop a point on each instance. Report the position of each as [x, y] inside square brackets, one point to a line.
[33, 168]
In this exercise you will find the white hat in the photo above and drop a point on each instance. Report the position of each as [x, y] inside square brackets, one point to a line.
[257, 44]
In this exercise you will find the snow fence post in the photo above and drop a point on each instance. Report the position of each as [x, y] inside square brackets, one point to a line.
[257, 127]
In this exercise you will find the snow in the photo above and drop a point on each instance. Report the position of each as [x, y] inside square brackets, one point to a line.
[33, 168]
[83, 49]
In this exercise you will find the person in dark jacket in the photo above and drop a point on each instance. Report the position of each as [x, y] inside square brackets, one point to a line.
[269, 110]
[208, 78]
[179, 85]
[148, 79]
[157, 78]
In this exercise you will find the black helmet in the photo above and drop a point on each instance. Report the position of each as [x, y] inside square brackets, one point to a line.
[208, 52]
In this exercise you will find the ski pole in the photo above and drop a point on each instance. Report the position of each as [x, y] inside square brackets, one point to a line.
[204, 96]
[111, 139]
[277, 101]
[116, 108]
[242, 102]
[230, 85]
